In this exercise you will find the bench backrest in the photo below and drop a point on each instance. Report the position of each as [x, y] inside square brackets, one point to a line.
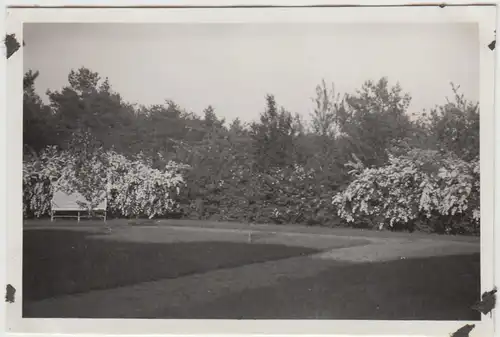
[70, 202]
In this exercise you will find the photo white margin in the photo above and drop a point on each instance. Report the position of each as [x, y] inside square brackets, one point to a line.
[484, 16]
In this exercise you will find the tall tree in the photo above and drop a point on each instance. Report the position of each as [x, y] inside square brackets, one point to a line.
[452, 127]
[275, 136]
[324, 119]
[38, 122]
[89, 103]
[237, 127]
[211, 120]
[374, 118]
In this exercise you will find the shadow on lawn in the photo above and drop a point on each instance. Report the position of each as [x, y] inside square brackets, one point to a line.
[60, 262]
[437, 288]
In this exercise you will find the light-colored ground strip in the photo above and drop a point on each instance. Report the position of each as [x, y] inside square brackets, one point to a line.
[175, 234]
[378, 252]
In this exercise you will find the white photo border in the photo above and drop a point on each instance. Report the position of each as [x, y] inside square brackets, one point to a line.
[484, 16]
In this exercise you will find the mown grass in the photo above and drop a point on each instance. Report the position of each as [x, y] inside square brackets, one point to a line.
[59, 262]
[436, 288]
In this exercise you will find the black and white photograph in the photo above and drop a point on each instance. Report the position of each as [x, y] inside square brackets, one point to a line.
[253, 171]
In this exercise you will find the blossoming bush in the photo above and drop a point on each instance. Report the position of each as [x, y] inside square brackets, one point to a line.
[139, 190]
[422, 190]
[132, 187]
[40, 173]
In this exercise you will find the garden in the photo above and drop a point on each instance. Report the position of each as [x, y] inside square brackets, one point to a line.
[361, 163]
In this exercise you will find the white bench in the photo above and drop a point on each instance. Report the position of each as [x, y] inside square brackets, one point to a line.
[71, 203]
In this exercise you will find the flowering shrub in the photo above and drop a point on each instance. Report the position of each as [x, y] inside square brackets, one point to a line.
[133, 188]
[39, 175]
[139, 190]
[86, 174]
[421, 190]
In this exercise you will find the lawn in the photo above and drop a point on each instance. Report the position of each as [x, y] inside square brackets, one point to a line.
[59, 262]
[438, 288]
[165, 273]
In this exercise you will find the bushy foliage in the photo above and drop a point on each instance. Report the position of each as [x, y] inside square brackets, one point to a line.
[281, 196]
[372, 118]
[300, 197]
[132, 186]
[422, 190]
[274, 137]
[452, 127]
[137, 189]
[40, 173]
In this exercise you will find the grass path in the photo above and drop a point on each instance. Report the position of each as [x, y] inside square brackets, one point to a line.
[378, 252]
[351, 248]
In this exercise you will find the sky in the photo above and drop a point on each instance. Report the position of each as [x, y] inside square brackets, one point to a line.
[233, 66]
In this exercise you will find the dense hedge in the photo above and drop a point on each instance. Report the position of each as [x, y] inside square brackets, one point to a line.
[281, 197]
[422, 190]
